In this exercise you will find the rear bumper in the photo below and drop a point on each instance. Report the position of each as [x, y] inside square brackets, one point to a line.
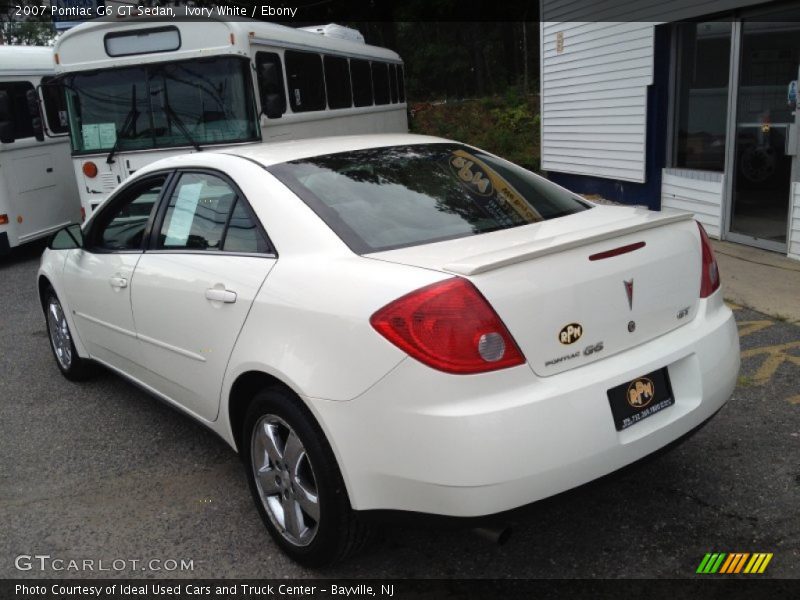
[424, 441]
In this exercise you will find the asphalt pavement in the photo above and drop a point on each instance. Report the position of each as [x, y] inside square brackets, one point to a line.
[101, 471]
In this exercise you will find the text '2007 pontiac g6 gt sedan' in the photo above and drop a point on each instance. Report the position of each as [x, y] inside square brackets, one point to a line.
[394, 322]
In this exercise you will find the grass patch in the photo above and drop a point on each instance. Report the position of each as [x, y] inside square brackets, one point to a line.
[504, 125]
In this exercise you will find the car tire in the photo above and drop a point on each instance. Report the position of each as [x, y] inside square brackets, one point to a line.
[72, 366]
[289, 466]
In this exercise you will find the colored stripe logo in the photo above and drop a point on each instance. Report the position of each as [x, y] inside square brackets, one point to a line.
[734, 562]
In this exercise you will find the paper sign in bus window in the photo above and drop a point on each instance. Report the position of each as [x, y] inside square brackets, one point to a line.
[180, 223]
[107, 132]
[91, 136]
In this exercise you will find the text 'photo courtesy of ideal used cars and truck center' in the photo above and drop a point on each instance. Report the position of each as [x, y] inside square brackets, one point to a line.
[373, 320]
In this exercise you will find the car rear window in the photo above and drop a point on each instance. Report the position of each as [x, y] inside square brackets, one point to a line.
[398, 196]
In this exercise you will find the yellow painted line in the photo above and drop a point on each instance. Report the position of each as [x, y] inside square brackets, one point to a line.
[765, 563]
[794, 400]
[748, 327]
[775, 357]
[741, 562]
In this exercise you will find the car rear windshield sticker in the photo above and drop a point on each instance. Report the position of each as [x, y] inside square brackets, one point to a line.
[489, 189]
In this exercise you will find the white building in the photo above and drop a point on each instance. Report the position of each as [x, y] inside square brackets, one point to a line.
[642, 106]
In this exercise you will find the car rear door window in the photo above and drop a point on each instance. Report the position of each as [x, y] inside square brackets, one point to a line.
[242, 234]
[197, 213]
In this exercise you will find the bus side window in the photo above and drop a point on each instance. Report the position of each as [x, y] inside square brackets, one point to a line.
[270, 84]
[18, 107]
[337, 82]
[55, 105]
[362, 82]
[393, 82]
[306, 84]
[401, 84]
[380, 82]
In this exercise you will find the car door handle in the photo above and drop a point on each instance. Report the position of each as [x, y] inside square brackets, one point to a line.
[118, 282]
[220, 295]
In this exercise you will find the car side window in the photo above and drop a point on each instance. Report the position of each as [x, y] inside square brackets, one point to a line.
[121, 225]
[205, 212]
[242, 234]
[196, 214]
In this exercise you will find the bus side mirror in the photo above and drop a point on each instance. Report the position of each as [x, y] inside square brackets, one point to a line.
[35, 113]
[273, 106]
[68, 238]
[6, 126]
[6, 132]
[271, 81]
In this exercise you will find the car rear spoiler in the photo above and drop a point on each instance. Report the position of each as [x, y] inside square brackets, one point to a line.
[480, 263]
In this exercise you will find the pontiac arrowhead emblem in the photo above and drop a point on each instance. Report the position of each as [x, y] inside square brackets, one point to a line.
[629, 291]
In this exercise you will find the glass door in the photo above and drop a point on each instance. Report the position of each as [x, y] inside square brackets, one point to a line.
[762, 168]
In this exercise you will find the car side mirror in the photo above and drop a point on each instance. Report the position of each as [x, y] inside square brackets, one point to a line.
[68, 238]
[36, 115]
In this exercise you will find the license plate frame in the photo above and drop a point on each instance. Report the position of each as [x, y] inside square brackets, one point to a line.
[640, 398]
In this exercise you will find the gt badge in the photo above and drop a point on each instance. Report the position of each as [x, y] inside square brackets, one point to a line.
[570, 333]
[629, 291]
[641, 392]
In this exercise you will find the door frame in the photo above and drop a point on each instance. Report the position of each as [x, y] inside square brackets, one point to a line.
[730, 157]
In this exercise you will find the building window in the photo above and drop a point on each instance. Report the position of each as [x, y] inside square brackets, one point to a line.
[337, 82]
[380, 82]
[701, 115]
[306, 83]
[362, 82]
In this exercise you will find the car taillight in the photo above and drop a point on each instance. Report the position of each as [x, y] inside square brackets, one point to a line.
[449, 326]
[709, 276]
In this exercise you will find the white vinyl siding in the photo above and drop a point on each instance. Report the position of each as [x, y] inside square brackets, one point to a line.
[594, 98]
[794, 224]
[698, 192]
[594, 92]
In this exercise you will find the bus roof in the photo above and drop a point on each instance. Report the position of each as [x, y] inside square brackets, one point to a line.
[82, 47]
[17, 60]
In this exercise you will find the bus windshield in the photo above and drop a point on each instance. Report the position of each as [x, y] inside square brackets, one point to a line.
[162, 105]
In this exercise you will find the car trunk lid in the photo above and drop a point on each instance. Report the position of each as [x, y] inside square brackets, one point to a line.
[565, 296]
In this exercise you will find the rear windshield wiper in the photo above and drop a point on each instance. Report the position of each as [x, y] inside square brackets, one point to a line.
[127, 125]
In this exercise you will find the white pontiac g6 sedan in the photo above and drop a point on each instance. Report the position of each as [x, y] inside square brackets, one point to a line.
[394, 322]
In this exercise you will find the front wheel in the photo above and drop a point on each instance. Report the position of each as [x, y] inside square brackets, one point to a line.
[296, 483]
[71, 365]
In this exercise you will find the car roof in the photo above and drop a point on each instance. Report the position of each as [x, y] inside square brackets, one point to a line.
[271, 153]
